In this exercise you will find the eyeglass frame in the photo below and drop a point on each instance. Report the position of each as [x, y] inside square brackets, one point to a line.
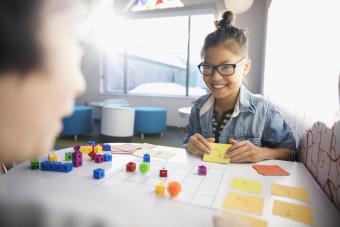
[215, 67]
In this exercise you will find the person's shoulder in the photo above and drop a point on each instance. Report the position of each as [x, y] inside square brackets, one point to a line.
[263, 102]
[198, 103]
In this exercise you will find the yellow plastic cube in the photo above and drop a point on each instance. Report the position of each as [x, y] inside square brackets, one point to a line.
[98, 149]
[160, 189]
[53, 157]
[85, 149]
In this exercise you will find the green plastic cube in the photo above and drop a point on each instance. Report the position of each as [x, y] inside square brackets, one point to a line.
[144, 167]
[34, 164]
[68, 156]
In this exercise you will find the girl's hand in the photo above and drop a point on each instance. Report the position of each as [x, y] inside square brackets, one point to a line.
[244, 151]
[198, 145]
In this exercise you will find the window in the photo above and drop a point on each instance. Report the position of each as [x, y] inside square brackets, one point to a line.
[154, 57]
[302, 57]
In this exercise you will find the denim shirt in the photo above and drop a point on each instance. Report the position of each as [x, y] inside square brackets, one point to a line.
[254, 119]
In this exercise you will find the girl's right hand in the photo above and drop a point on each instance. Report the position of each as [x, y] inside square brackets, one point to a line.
[199, 145]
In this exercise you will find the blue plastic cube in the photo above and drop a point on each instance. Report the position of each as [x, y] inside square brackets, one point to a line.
[56, 166]
[67, 167]
[43, 165]
[91, 142]
[98, 173]
[106, 147]
[107, 157]
[50, 166]
[146, 158]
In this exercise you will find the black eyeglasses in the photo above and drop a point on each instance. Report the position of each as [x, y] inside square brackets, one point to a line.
[223, 69]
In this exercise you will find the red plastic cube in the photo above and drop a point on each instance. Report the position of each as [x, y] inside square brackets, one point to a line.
[93, 155]
[131, 167]
[163, 173]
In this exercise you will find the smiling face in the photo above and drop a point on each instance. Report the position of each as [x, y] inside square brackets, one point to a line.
[225, 87]
[33, 105]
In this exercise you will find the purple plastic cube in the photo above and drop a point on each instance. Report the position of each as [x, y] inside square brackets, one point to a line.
[202, 170]
[77, 159]
[99, 158]
[76, 147]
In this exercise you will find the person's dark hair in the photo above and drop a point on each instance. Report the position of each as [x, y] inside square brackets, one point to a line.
[19, 25]
[233, 38]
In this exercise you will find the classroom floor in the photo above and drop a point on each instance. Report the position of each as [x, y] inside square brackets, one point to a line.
[172, 137]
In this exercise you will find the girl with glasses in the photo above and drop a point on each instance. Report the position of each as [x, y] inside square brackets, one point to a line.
[230, 113]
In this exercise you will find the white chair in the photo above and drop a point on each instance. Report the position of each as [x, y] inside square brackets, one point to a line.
[117, 122]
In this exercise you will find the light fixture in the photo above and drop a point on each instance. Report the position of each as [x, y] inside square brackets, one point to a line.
[238, 6]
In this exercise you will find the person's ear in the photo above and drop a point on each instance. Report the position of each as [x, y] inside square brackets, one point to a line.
[247, 66]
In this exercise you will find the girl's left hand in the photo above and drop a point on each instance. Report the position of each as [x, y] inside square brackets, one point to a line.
[244, 151]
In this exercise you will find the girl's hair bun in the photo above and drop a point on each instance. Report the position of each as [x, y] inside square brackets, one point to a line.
[227, 20]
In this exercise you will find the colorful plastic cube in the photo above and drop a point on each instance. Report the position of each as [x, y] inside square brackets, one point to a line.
[106, 147]
[76, 147]
[107, 157]
[43, 165]
[67, 167]
[98, 149]
[146, 158]
[144, 167]
[202, 170]
[56, 166]
[52, 156]
[34, 164]
[160, 189]
[86, 149]
[163, 173]
[68, 156]
[91, 142]
[93, 155]
[98, 173]
[99, 158]
[131, 167]
[77, 159]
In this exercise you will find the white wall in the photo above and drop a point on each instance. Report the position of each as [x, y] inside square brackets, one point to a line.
[254, 20]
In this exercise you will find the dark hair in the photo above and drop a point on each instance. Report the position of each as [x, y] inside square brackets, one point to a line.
[233, 38]
[19, 24]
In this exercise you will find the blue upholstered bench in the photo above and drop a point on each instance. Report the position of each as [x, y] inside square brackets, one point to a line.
[150, 120]
[79, 123]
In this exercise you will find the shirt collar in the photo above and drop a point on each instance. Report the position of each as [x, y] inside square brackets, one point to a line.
[245, 103]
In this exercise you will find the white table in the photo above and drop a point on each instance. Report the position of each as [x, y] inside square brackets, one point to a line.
[100, 104]
[77, 192]
[184, 112]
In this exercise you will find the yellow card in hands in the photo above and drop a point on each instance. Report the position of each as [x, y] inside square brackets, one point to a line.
[218, 151]
[293, 211]
[291, 192]
[246, 185]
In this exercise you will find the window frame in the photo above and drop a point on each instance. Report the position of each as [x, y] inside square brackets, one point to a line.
[209, 8]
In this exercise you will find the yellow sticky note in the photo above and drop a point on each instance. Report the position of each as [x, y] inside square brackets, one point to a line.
[246, 185]
[293, 211]
[254, 222]
[248, 203]
[217, 154]
[291, 192]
